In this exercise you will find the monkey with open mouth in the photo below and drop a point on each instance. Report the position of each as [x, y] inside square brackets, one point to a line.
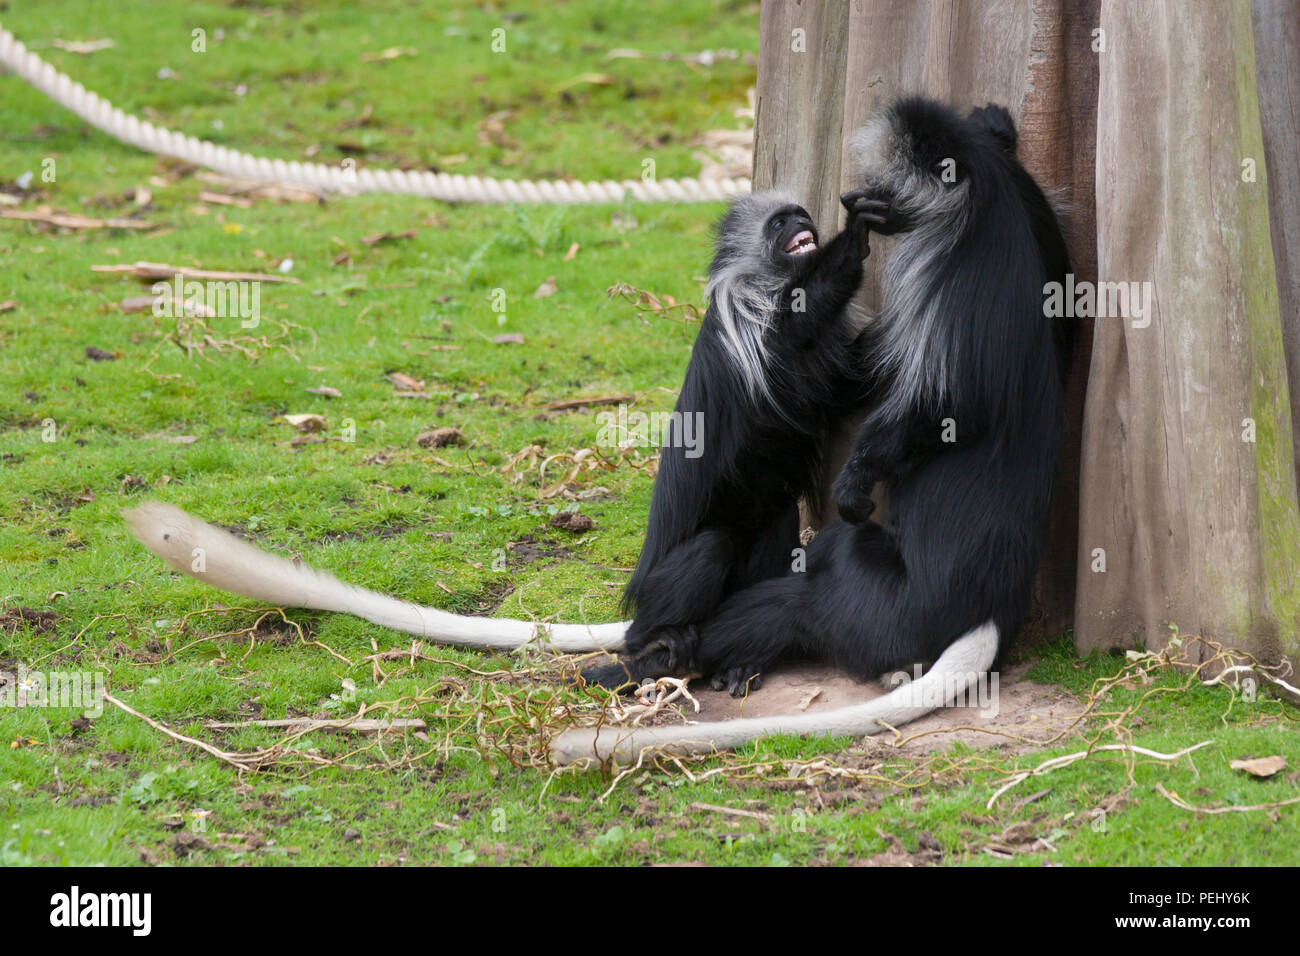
[777, 363]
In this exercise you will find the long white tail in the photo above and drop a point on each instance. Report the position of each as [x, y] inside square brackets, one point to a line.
[958, 668]
[218, 558]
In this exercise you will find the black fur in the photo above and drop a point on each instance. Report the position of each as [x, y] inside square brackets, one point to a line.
[999, 124]
[968, 516]
[728, 518]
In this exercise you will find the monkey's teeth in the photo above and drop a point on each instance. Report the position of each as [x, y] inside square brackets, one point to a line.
[802, 243]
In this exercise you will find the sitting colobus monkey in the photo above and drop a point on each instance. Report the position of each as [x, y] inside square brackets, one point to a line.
[768, 365]
[775, 365]
[964, 434]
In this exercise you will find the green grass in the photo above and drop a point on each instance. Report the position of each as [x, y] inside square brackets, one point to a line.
[285, 80]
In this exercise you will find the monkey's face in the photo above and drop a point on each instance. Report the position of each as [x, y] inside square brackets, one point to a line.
[914, 155]
[765, 237]
[789, 233]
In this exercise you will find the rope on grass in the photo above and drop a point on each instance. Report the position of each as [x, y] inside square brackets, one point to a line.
[103, 115]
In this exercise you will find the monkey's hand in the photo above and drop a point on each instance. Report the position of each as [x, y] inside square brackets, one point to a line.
[870, 211]
[852, 492]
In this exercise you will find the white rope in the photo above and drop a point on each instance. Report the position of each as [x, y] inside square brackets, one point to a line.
[103, 115]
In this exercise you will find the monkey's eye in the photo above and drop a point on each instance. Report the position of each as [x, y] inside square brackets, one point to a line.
[777, 224]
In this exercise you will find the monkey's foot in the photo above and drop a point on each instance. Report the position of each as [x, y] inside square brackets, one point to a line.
[627, 673]
[616, 676]
[738, 681]
[668, 652]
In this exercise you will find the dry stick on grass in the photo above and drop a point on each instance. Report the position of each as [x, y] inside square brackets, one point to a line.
[1184, 805]
[239, 761]
[309, 724]
[251, 630]
[276, 192]
[160, 270]
[258, 759]
[221, 199]
[731, 811]
[1055, 763]
[1237, 669]
[69, 221]
[76, 640]
[416, 653]
[595, 400]
[640, 761]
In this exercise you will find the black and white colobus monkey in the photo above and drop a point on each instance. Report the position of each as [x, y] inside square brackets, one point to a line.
[964, 434]
[775, 365]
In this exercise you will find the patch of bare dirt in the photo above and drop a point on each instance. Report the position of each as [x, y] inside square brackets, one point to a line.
[382, 532]
[572, 521]
[491, 597]
[1021, 715]
[15, 618]
[528, 550]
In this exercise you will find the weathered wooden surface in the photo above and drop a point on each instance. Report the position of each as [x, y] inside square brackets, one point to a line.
[1199, 528]
[800, 102]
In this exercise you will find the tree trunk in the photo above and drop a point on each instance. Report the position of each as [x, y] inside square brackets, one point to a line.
[1188, 503]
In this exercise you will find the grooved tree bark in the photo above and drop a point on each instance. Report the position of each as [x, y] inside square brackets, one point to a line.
[1188, 504]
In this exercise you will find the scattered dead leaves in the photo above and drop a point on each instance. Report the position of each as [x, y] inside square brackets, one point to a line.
[1260, 766]
[82, 47]
[572, 521]
[307, 423]
[405, 382]
[440, 438]
[391, 53]
[532, 463]
[379, 237]
[645, 301]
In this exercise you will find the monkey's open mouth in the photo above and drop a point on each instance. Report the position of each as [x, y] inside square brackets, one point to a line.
[802, 242]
